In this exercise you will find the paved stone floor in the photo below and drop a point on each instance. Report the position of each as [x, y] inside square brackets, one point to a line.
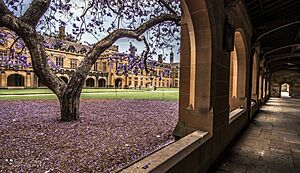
[272, 142]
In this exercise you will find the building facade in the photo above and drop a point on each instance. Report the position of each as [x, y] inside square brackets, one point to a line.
[66, 55]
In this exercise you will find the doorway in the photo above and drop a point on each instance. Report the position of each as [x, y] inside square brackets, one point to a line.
[285, 90]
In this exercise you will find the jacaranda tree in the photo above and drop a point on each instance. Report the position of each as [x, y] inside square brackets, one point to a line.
[153, 22]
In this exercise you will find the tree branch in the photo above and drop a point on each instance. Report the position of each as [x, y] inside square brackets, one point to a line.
[34, 43]
[165, 4]
[108, 5]
[105, 43]
[11, 46]
[35, 11]
[121, 33]
[145, 53]
[3, 9]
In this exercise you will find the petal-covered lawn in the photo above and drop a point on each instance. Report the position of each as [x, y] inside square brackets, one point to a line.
[109, 135]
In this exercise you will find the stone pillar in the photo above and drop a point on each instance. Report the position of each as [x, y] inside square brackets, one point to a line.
[263, 87]
[109, 78]
[195, 59]
[3, 83]
[96, 81]
[126, 81]
[296, 90]
[260, 87]
[28, 80]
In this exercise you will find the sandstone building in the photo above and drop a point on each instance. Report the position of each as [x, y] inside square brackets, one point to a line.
[66, 56]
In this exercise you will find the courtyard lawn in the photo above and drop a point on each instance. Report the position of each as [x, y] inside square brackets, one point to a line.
[85, 90]
[109, 135]
[48, 91]
[37, 94]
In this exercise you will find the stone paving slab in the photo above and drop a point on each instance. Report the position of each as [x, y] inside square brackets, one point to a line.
[272, 142]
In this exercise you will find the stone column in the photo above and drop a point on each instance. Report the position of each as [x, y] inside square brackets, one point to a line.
[96, 81]
[3, 83]
[28, 80]
[126, 81]
[195, 64]
[296, 90]
[109, 78]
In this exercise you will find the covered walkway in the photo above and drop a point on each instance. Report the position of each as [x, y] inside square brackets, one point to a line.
[271, 143]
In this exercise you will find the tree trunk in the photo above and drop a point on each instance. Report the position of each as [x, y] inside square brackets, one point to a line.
[69, 107]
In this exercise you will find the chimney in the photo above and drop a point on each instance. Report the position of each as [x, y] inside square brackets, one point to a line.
[62, 32]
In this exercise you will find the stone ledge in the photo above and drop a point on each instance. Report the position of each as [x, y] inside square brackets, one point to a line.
[235, 114]
[166, 158]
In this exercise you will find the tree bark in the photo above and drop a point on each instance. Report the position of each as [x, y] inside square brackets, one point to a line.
[69, 107]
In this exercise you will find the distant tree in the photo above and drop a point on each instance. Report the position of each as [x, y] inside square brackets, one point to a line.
[154, 22]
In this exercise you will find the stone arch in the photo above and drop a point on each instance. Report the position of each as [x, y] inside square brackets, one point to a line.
[16, 80]
[65, 79]
[290, 85]
[90, 82]
[195, 64]
[238, 69]
[102, 83]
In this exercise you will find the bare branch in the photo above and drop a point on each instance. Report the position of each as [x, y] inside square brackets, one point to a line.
[82, 17]
[113, 10]
[35, 11]
[165, 4]
[145, 53]
[23, 48]
[11, 46]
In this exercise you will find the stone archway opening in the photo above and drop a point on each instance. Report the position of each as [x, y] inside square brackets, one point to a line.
[102, 83]
[196, 49]
[15, 80]
[285, 90]
[90, 82]
[65, 79]
[238, 68]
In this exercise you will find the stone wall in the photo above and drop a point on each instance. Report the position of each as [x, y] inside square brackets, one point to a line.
[290, 77]
[204, 99]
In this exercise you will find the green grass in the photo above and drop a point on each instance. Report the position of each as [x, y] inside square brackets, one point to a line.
[35, 94]
[48, 91]
[24, 91]
[86, 90]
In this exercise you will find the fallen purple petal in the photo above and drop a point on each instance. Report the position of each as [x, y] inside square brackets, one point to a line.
[109, 134]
